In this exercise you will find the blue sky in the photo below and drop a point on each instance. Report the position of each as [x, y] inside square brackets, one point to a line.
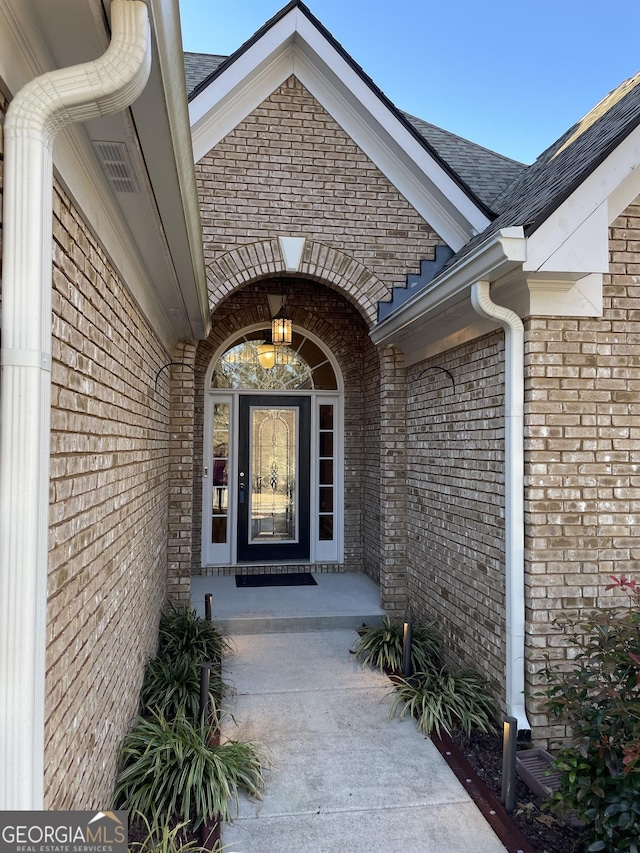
[511, 76]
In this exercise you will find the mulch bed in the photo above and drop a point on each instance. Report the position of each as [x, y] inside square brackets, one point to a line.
[541, 830]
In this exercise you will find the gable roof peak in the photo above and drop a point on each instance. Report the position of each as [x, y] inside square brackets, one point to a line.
[295, 42]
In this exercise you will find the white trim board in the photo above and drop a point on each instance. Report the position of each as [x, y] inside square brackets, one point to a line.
[293, 45]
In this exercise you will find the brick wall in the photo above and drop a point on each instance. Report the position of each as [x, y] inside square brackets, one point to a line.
[290, 169]
[394, 454]
[180, 544]
[371, 482]
[330, 317]
[108, 515]
[583, 401]
[455, 501]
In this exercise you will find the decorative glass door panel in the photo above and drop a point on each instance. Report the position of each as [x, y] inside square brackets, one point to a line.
[273, 478]
[273, 451]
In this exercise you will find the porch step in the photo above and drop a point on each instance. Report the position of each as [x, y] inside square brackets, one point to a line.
[338, 601]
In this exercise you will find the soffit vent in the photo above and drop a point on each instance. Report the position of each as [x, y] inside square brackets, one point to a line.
[116, 164]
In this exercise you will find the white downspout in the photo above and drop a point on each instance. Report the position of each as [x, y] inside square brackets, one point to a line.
[514, 496]
[39, 110]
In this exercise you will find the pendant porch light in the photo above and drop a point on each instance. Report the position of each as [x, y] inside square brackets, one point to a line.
[281, 326]
[266, 353]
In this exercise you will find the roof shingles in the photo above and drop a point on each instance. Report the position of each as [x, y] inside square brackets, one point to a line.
[486, 173]
[518, 195]
[559, 170]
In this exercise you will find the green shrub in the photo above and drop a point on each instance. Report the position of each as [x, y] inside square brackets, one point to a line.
[440, 699]
[169, 770]
[173, 686]
[161, 837]
[382, 647]
[599, 698]
[183, 632]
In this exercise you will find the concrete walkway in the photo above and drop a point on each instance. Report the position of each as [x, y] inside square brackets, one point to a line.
[342, 776]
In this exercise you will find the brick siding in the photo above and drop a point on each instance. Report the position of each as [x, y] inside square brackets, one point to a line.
[582, 455]
[108, 515]
[362, 237]
[455, 502]
[308, 179]
[181, 487]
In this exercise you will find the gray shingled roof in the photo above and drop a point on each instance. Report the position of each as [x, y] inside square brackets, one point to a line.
[569, 161]
[199, 66]
[559, 170]
[486, 173]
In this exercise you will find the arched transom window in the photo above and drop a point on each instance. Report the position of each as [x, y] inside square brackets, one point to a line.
[253, 362]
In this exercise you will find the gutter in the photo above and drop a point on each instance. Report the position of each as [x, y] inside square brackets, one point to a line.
[514, 498]
[502, 252]
[38, 112]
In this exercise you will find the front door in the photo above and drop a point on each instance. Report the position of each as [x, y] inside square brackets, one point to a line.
[273, 478]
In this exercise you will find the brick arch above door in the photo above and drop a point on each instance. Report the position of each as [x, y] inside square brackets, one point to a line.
[264, 258]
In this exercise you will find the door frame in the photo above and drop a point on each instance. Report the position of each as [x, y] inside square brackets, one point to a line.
[287, 551]
[225, 554]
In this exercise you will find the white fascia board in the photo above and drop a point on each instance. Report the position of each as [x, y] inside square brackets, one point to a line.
[25, 55]
[166, 143]
[242, 87]
[385, 140]
[627, 170]
[295, 46]
[22, 57]
[574, 239]
[502, 253]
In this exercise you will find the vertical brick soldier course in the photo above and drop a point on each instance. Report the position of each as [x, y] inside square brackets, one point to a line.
[181, 466]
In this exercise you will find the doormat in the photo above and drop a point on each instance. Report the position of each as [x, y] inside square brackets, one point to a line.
[289, 579]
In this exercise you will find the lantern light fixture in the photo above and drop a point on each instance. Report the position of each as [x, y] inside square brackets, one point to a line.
[281, 326]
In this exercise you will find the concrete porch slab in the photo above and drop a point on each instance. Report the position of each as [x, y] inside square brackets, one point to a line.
[340, 600]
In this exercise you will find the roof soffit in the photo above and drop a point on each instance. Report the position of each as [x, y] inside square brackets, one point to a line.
[149, 235]
[294, 45]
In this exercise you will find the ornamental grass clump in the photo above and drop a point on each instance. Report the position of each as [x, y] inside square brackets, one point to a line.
[172, 687]
[161, 837]
[174, 773]
[598, 698]
[183, 632]
[169, 770]
[441, 699]
[381, 647]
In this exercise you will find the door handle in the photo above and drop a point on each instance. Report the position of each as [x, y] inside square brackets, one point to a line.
[242, 493]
